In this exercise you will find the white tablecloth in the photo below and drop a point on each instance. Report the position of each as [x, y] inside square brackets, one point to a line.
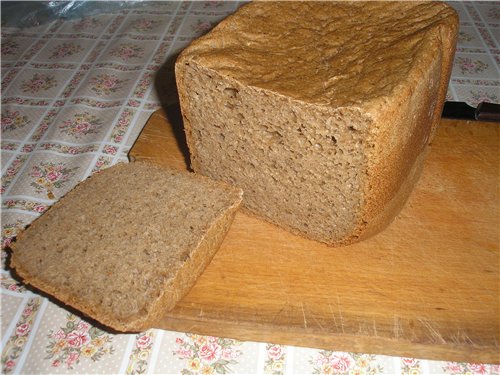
[75, 95]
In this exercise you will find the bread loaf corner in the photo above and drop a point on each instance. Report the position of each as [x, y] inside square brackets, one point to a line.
[320, 111]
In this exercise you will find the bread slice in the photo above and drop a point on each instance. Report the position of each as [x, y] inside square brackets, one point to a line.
[319, 111]
[126, 244]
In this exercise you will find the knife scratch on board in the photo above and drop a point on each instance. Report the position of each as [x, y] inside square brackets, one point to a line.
[461, 338]
[434, 334]
[303, 314]
[398, 327]
[333, 316]
[279, 314]
[340, 313]
[318, 323]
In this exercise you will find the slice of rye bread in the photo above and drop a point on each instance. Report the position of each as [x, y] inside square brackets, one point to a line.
[320, 111]
[126, 244]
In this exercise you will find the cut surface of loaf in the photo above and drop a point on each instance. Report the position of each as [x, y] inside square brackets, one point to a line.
[126, 244]
[319, 111]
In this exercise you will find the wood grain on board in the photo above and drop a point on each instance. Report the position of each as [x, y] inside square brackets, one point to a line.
[426, 287]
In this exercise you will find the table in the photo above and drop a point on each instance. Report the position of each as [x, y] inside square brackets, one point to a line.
[75, 96]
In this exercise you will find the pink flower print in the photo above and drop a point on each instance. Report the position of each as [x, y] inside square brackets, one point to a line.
[27, 311]
[320, 362]
[105, 84]
[59, 335]
[54, 176]
[212, 4]
[463, 37]
[6, 241]
[73, 151]
[210, 352]
[275, 352]
[341, 362]
[127, 51]
[83, 326]
[410, 362]
[10, 364]
[493, 13]
[36, 173]
[144, 341]
[12, 287]
[72, 358]
[77, 339]
[86, 24]
[81, 124]
[469, 66]
[110, 150]
[202, 26]
[38, 82]
[9, 47]
[65, 49]
[229, 353]
[23, 329]
[454, 367]
[199, 339]
[12, 120]
[10, 202]
[48, 176]
[6, 122]
[478, 368]
[8, 233]
[184, 353]
[39, 208]
[144, 24]
[103, 162]
[207, 354]
[109, 83]
[83, 127]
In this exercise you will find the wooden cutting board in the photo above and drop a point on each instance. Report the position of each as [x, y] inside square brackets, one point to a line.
[426, 287]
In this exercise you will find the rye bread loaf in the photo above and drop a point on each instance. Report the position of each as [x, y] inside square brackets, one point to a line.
[126, 244]
[320, 111]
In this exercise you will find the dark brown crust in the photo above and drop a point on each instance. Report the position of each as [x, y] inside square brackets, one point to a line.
[394, 176]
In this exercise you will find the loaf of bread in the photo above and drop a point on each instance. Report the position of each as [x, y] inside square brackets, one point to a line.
[319, 111]
[126, 244]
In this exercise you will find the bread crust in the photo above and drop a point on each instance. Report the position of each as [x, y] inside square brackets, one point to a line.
[409, 126]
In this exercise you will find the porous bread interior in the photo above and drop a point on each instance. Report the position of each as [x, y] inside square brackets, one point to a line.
[300, 166]
[115, 242]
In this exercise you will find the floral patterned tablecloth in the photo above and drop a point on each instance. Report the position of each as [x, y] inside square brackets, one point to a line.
[75, 95]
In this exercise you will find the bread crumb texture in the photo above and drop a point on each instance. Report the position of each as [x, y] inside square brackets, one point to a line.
[120, 246]
[319, 111]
